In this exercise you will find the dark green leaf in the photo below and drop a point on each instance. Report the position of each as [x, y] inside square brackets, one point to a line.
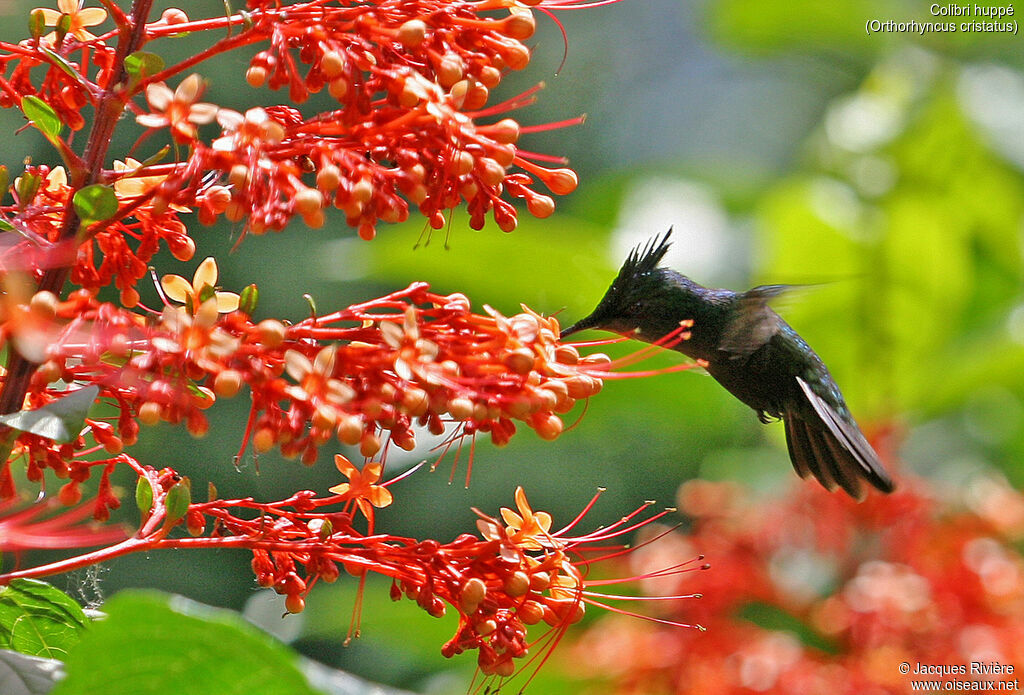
[62, 421]
[249, 299]
[42, 116]
[38, 619]
[95, 203]
[173, 645]
[21, 674]
[142, 64]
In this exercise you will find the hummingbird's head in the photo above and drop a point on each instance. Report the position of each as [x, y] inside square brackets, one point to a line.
[634, 294]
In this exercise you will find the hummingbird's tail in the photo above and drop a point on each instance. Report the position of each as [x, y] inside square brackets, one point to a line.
[832, 449]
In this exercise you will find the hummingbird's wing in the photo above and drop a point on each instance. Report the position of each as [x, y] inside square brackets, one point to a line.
[832, 448]
[754, 322]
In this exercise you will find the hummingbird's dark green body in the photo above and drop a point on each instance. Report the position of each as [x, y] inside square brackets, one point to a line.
[754, 354]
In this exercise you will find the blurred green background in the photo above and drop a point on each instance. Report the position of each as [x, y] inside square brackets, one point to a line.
[785, 145]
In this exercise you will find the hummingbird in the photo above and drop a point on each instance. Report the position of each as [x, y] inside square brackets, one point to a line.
[751, 351]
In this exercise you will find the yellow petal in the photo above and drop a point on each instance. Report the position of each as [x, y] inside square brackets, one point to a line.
[511, 518]
[50, 17]
[206, 274]
[227, 302]
[344, 465]
[176, 287]
[67, 6]
[372, 471]
[543, 520]
[379, 496]
[91, 16]
[522, 503]
[339, 489]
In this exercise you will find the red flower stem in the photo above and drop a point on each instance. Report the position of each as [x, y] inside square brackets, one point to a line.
[131, 545]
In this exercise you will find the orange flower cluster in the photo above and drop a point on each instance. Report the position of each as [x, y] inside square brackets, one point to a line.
[435, 63]
[410, 359]
[816, 594]
[412, 79]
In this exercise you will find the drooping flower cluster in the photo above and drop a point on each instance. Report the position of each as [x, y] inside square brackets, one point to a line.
[817, 594]
[500, 583]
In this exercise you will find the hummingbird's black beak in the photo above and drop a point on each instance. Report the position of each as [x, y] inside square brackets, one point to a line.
[581, 325]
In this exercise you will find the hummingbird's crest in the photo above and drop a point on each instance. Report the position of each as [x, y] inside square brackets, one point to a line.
[645, 258]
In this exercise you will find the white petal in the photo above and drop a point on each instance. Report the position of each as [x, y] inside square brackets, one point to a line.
[159, 95]
[176, 287]
[189, 89]
[323, 363]
[203, 113]
[152, 120]
[227, 302]
[297, 365]
[206, 315]
[229, 119]
[206, 274]
[391, 333]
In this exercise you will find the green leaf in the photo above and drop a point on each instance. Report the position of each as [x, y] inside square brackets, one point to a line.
[6, 226]
[62, 421]
[142, 64]
[42, 116]
[95, 203]
[170, 644]
[38, 619]
[21, 674]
